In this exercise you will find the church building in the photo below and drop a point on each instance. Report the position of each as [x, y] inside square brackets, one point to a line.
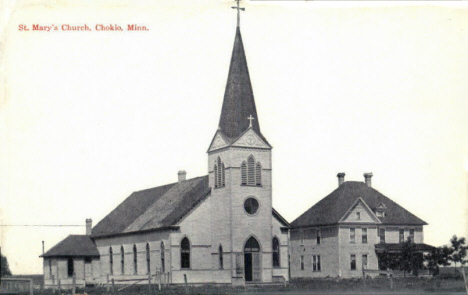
[217, 228]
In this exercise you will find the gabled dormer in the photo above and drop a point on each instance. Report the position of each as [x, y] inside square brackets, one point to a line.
[359, 212]
[380, 210]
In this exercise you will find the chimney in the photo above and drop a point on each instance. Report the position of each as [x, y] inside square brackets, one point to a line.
[89, 226]
[340, 178]
[182, 175]
[367, 177]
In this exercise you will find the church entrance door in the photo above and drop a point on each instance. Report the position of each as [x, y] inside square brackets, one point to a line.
[252, 260]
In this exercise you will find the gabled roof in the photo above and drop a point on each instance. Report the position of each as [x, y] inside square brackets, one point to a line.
[74, 246]
[280, 218]
[238, 103]
[333, 207]
[156, 208]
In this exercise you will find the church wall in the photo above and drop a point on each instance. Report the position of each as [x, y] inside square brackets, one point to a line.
[283, 269]
[307, 247]
[197, 227]
[257, 225]
[221, 209]
[140, 240]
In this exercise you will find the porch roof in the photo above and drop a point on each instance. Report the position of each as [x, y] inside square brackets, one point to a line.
[397, 247]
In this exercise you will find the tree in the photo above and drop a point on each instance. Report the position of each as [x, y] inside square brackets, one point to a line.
[459, 250]
[411, 261]
[5, 268]
[438, 256]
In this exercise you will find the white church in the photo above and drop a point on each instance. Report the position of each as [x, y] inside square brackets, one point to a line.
[217, 228]
[221, 228]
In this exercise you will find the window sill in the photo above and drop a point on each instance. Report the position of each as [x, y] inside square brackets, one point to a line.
[217, 187]
[251, 185]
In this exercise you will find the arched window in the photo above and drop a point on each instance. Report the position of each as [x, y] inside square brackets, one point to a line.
[148, 265]
[244, 173]
[111, 261]
[220, 254]
[276, 252]
[122, 260]
[185, 253]
[135, 260]
[220, 180]
[223, 178]
[216, 175]
[258, 174]
[251, 172]
[163, 255]
[70, 267]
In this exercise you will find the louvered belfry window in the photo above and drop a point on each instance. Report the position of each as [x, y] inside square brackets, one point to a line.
[258, 174]
[219, 175]
[251, 172]
[244, 173]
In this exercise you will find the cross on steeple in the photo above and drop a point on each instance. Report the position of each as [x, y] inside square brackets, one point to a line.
[250, 118]
[238, 11]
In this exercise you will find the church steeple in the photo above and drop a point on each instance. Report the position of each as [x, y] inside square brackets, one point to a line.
[239, 103]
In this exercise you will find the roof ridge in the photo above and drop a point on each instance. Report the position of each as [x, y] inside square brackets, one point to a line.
[163, 185]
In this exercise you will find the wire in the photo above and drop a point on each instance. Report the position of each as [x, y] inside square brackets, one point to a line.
[51, 225]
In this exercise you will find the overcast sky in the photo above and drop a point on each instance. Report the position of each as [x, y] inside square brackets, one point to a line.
[89, 117]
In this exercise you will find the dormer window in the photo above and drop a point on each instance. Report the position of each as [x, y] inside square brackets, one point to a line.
[220, 179]
[251, 172]
[380, 210]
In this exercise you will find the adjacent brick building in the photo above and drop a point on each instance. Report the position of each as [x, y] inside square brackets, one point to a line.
[348, 229]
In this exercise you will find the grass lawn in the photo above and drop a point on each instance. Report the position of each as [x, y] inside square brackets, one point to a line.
[447, 284]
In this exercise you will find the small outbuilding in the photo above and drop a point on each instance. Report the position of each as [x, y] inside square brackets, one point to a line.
[76, 255]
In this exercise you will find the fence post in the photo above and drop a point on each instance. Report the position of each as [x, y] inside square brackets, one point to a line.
[149, 284]
[363, 275]
[391, 281]
[74, 284]
[464, 279]
[30, 287]
[59, 288]
[160, 279]
[186, 284]
[113, 286]
[107, 285]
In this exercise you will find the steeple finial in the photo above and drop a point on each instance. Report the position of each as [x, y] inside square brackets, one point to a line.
[238, 11]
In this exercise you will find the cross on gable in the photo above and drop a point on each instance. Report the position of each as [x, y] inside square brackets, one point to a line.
[250, 118]
[238, 11]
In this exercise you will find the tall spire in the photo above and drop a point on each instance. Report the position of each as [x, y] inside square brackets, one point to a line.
[239, 104]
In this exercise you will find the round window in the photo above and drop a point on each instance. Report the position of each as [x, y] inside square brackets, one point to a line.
[251, 205]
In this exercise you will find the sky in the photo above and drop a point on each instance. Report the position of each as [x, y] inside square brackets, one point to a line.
[86, 118]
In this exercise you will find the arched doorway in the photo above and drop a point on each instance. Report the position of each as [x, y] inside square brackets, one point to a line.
[252, 260]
